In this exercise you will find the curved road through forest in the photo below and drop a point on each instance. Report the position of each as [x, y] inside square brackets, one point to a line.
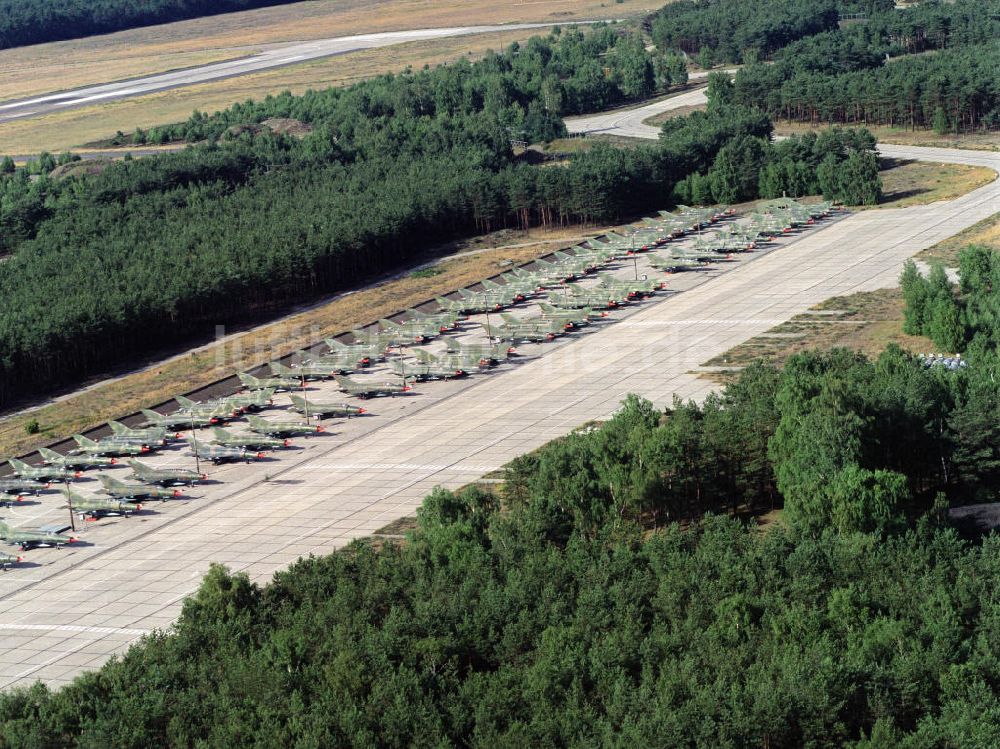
[75, 607]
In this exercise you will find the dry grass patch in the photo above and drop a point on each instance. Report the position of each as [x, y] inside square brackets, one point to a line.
[866, 322]
[108, 399]
[906, 182]
[137, 52]
[986, 232]
[977, 141]
[659, 119]
[64, 130]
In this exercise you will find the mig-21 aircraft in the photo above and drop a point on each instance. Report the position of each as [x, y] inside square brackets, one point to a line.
[426, 370]
[282, 429]
[325, 410]
[274, 383]
[485, 353]
[33, 539]
[122, 490]
[525, 331]
[179, 420]
[222, 454]
[75, 462]
[165, 476]
[146, 436]
[213, 410]
[95, 508]
[365, 390]
[108, 446]
[362, 354]
[311, 371]
[42, 473]
[16, 488]
[226, 438]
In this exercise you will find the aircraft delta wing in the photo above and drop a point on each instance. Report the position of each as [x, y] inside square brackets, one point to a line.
[33, 539]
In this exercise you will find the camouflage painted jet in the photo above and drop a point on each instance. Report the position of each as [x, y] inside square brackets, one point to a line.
[361, 353]
[631, 289]
[15, 487]
[309, 371]
[417, 331]
[382, 339]
[282, 429]
[122, 490]
[537, 323]
[325, 410]
[275, 383]
[226, 438]
[107, 446]
[671, 264]
[9, 560]
[513, 287]
[95, 508]
[365, 390]
[251, 401]
[217, 410]
[452, 361]
[179, 420]
[444, 321]
[165, 476]
[577, 297]
[577, 317]
[147, 436]
[465, 306]
[33, 539]
[483, 352]
[222, 454]
[75, 462]
[426, 370]
[42, 473]
[525, 332]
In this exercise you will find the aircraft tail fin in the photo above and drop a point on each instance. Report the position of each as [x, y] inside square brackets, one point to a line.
[509, 318]
[423, 355]
[83, 441]
[220, 433]
[248, 380]
[117, 427]
[45, 452]
[185, 402]
[18, 465]
[106, 481]
[151, 415]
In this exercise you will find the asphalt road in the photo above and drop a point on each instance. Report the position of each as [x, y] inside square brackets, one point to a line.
[70, 609]
[629, 122]
[289, 54]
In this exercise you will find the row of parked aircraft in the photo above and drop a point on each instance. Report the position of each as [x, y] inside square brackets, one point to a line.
[570, 290]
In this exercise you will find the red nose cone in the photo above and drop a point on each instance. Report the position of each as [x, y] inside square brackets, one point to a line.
[19, 498]
[138, 507]
[114, 461]
[177, 492]
[287, 443]
[214, 420]
[19, 559]
[48, 485]
[260, 455]
[320, 429]
[178, 435]
[144, 449]
[72, 540]
[407, 388]
[361, 411]
[204, 477]
[77, 474]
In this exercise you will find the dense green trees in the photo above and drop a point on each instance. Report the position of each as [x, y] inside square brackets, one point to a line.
[35, 21]
[570, 611]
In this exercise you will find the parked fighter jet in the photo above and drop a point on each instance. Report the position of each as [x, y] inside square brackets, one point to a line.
[383, 339]
[466, 306]
[672, 264]
[191, 410]
[309, 371]
[17, 487]
[450, 361]
[525, 332]
[282, 429]
[413, 331]
[222, 454]
[365, 390]
[123, 490]
[33, 539]
[275, 383]
[426, 370]
[485, 353]
[179, 420]
[9, 560]
[444, 321]
[246, 441]
[362, 354]
[165, 476]
[577, 317]
[325, 410]
[250, 401]
[75, 462]
[107, 446]
[95, 508]
[42, 473]
[146, 436]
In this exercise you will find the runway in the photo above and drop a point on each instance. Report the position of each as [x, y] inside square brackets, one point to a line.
[75, 607]
[286, 54]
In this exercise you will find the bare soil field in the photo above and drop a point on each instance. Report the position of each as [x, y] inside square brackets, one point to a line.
[61, 65]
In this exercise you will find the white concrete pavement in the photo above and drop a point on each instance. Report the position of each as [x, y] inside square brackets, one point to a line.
[77, 607]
